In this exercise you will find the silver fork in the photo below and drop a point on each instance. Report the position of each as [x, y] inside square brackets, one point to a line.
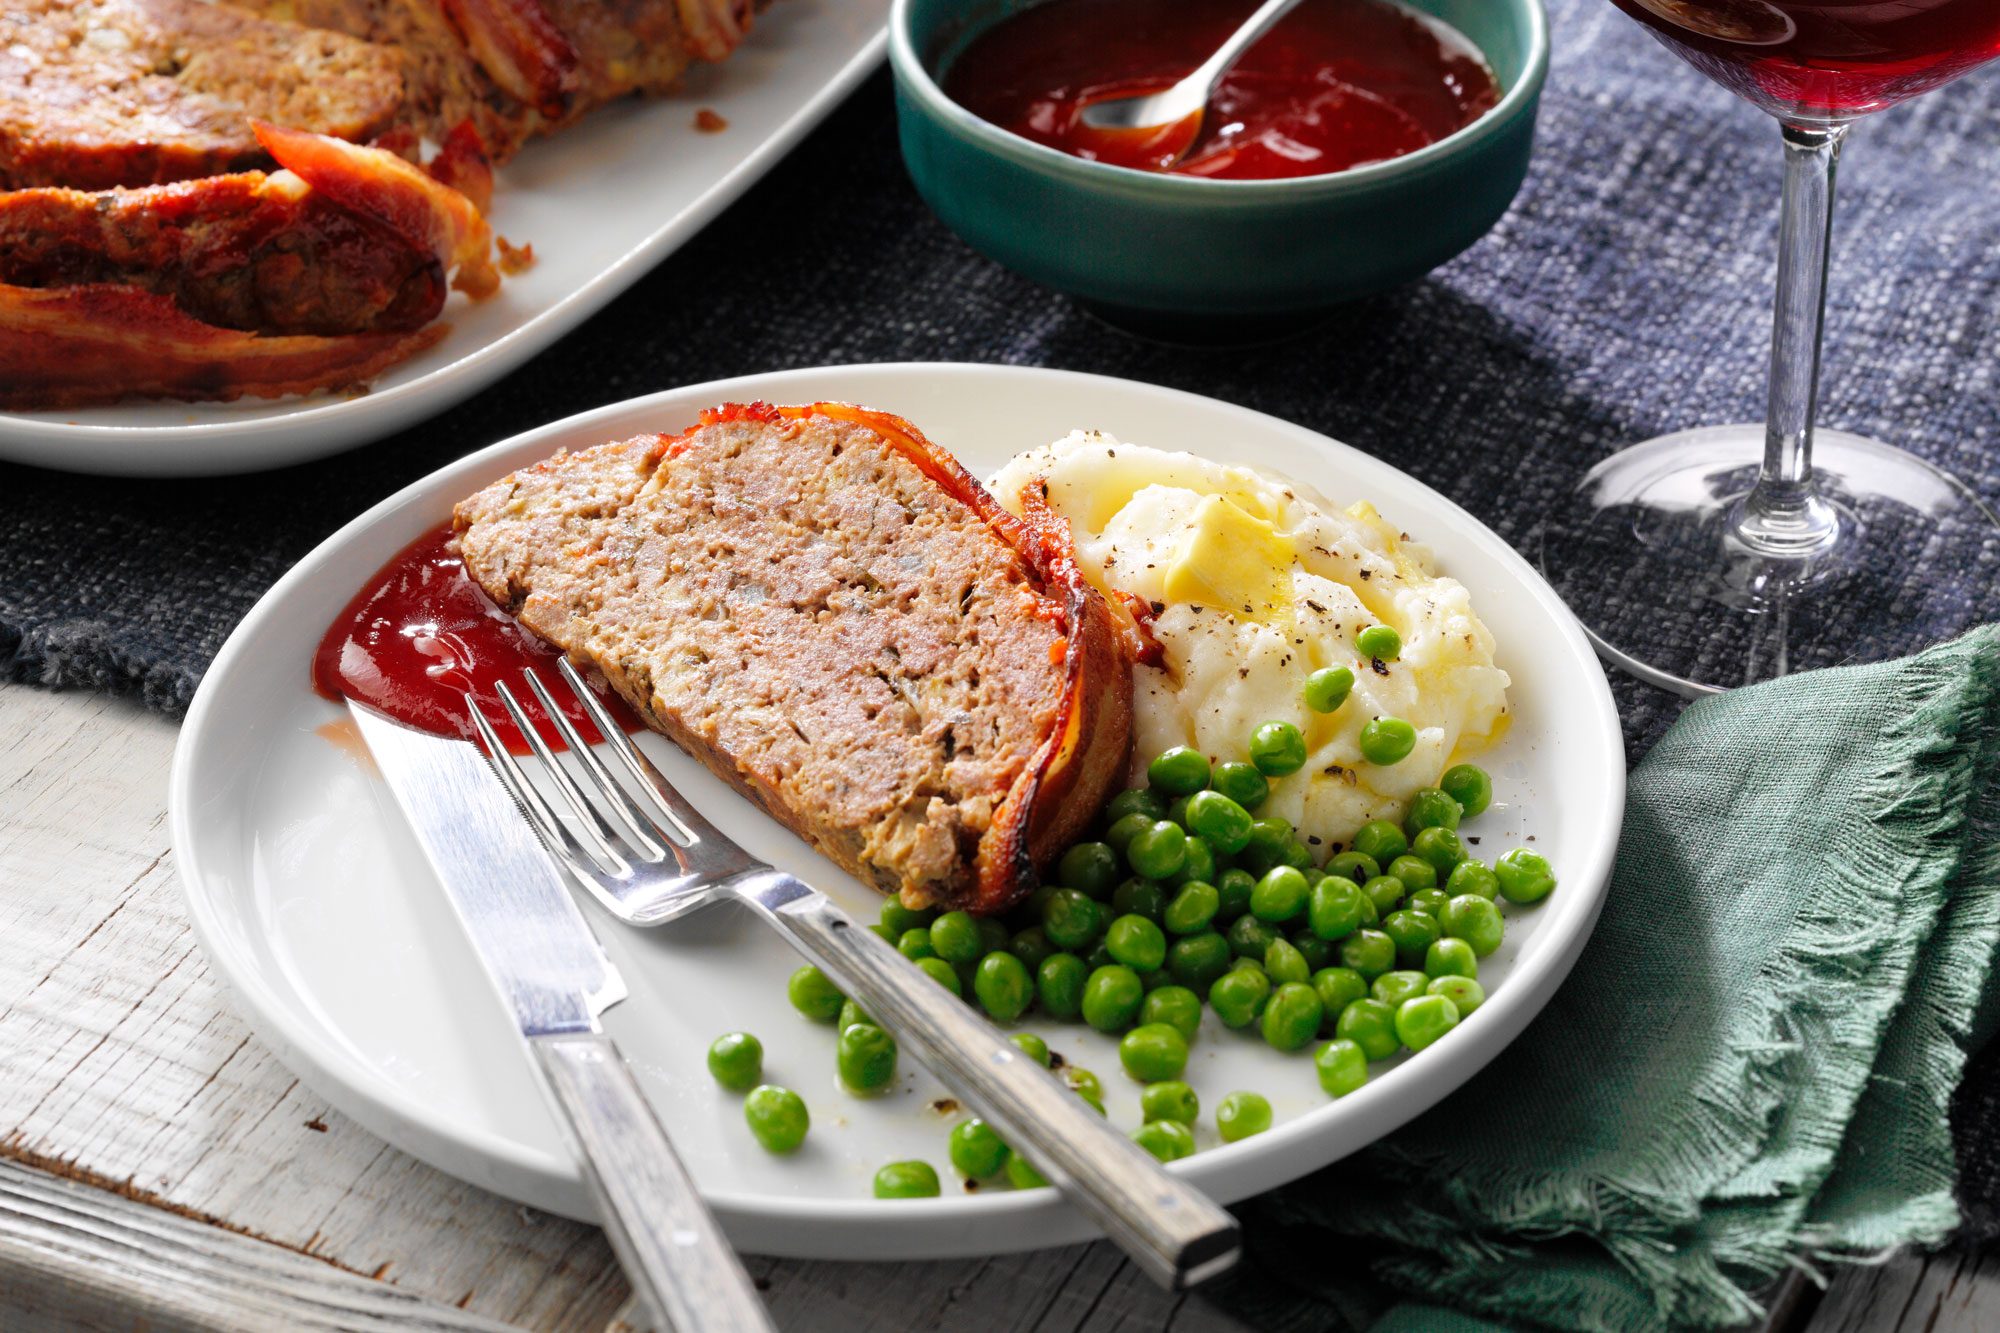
[652, 858]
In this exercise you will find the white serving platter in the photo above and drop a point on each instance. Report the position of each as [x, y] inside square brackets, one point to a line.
[312, 899]
[602, 202]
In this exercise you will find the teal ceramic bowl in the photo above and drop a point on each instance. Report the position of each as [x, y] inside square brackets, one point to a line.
[1200, 260]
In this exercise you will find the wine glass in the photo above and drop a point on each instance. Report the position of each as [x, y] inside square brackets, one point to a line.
[1745, 551]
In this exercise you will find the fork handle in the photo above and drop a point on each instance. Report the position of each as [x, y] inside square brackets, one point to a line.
[1175, 1233]
[673, 1251]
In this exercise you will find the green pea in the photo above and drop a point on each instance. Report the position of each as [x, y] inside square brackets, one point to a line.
[1284, 963]
[1422, 1020]
[1292, 1016]
[1371, 1025]
[1431, 808]
[976, 1151]
[1135, 801]
[1277, 749]
[907, 1180]
[1089, 866]
[1032, 1046]
[1199, 863]
[1384, 894]
[1059, 984]
[1369, 952]
[1392, 988]
[1033, 907]
[1271, 835]
[1327, 688]
[1250, 937]
[954, 937]
[915, 944]
[1338, 987]
[1021, 1174]
[1357, 866]
[1441, 847]
[1177, 813]
[1170, 1100]
[850, 1014]
[1241, 783]
[1428, 901]
[1334, 908]
[1191, 909]
[1464, 993]
[1472, 877]
[1342, 1066]
[736, 1060]
[1280, 895]
[1387, 740]
[1317, 952]
[1197, 960]
[1137, 943]
[866, 1058]
[1242, 1114]
[1156, 978]
[1380, 841]
[883, 933]
[1221, 820]
[1139, 897]
[1450, 958]
[1111, 998]
[1475, 920]
[1097, 956]
[1157, 851]
[899, 918]
[1119, 836]
[777, 1117]
[1416, 873]
[1071, 920]
[1232, 894]
[1297, 855]
[1085, 1085]
[1379, 642]
[813, 995]
[1524, 876]
[1031, 946]
[1469, 786]
[1179, 771]
[1176, 1006]
[1413, 932]
[1168, 1140]
[1238, 996]
[943, 973]
[1153, 1051]
[1003, 986]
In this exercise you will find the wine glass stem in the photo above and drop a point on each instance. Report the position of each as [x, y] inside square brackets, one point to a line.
[1784, 516]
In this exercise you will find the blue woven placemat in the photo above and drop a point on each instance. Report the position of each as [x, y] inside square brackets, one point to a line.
[1625, 296]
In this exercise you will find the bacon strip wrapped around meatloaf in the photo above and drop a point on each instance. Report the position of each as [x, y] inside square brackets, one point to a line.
[829, 612]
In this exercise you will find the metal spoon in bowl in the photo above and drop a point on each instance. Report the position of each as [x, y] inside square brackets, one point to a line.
[1190, 96]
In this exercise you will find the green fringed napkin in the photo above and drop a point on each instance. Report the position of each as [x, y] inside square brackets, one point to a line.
[1751, 1065]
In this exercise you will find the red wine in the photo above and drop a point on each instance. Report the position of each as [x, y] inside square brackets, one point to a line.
[1826, 60]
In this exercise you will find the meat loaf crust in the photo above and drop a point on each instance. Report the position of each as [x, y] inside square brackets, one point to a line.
[834, 616]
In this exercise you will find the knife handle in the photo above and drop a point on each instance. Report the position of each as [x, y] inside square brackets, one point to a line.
[1174, 1232]
[681, 1267]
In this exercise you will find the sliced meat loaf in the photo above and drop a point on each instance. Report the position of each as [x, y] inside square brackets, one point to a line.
[833, 615]
[98, 93]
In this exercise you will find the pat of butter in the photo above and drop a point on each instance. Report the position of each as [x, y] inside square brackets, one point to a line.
[1232, 562]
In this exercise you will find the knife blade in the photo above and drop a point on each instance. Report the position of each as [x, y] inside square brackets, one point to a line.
[539, 952]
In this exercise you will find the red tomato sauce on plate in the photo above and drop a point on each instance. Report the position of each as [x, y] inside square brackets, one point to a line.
[1337, 84]
[421, 635]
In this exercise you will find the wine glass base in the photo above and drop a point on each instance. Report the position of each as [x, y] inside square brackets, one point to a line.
[1643, 551]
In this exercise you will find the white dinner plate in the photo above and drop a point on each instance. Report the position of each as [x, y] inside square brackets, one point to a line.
[602, 202]
[311, 897]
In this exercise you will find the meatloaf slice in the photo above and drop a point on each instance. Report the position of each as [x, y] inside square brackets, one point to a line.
[834, 616]
[99, 93]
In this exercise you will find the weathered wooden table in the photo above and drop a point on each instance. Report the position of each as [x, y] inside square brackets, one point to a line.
[160, 1169]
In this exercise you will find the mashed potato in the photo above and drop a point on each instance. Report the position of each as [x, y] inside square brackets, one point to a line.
[1253, 583]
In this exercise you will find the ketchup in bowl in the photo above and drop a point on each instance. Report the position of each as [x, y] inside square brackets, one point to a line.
[421, 635]
[1338, 83]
